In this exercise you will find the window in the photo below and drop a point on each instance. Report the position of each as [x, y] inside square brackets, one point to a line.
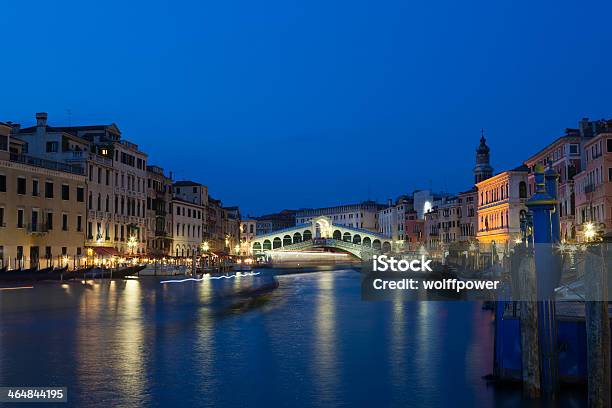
[609, 145]
[35, 191]
[4, 143]
[80, 191]
[79, 223]
[2, 217]
[49, 189]
[48, 253]
[65, 192]
[20, 218]
[2, 183]
[51, 147]
[21, 185]
[522, 190]
[64, 222]
[49, 221]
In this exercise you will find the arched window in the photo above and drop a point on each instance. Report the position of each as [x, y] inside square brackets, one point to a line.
[522, 190]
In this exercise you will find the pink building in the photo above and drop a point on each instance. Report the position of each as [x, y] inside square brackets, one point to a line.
[413, 231]
[564, 156]
[593, 186]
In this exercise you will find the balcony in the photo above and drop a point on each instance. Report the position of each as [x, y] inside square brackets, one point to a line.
[37, 229]
[589, 188]
[47, 164]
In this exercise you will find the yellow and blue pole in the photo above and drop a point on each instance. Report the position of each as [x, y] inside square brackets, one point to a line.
[542, 205]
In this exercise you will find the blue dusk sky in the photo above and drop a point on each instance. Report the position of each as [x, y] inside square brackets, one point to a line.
[286, 104]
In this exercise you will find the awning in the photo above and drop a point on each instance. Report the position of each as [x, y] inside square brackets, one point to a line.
[105, 251]
[220, 253]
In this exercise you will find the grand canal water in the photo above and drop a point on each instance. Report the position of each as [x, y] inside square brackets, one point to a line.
[310, 342]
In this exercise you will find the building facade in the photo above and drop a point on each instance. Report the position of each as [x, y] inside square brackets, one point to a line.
[115, 174]
[594, 188]
[413, 231]
[159, 218]
[248, 229]
[273, 222]
[363, 215]
[564, 155]
[42, 208]
[501, 199]
[187, 234]
[392, 220]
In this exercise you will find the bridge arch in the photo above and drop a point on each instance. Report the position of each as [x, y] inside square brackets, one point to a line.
[357, 239]
[376, 244]
[267, 245]
[287, 240]
[256, 246]
[297, 237]
[277, 243]
[346, 237]
[386, 247]
[367, 242]
[307, 235]
[337, 235]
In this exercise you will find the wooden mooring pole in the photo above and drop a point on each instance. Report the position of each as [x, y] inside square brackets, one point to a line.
[597, 322]
[530, 346]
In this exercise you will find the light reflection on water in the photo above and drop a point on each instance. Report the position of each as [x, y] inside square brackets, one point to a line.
[310, 342]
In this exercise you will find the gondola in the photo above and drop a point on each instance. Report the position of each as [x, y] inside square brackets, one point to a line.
[77, 274]
[16, 275]
[33, 274]
[120, 273]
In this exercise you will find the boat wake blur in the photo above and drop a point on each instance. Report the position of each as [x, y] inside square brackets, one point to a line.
[206, 278]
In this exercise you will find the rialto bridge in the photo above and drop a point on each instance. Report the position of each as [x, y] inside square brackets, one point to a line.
[322, 233]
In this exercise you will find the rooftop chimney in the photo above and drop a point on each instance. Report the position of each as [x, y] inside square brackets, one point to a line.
[41, 119]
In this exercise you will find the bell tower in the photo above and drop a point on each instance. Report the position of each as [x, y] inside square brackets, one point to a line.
[483, 169]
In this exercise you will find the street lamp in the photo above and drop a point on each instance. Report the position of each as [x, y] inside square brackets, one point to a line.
[204, 246]
[132, 243]
[589, 231]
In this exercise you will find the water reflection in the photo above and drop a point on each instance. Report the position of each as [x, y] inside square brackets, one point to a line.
[310, 342]
[325, 353]
[397, 351]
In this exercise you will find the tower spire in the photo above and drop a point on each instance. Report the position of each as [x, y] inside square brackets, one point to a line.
[483, 169]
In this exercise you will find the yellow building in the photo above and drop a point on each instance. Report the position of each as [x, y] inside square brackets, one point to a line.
[501, 199]
[42, 208]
